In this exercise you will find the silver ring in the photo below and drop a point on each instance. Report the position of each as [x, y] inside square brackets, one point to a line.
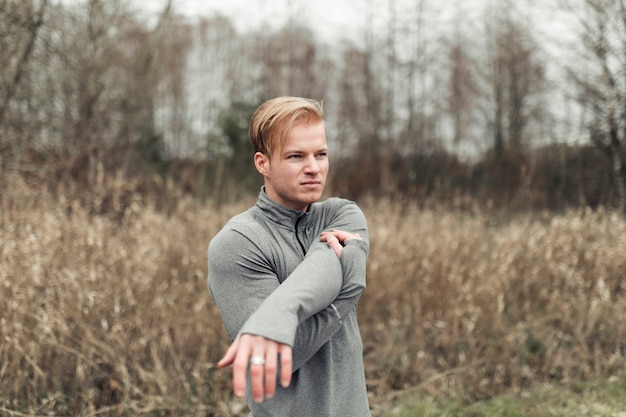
[257, 360]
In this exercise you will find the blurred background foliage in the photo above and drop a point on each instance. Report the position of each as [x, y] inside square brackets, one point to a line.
[485, 112]
[487, 154]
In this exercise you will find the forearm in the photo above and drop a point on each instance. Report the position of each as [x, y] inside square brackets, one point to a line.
[318, 280]
[286, 313]
[308, 290]
[353, 261]
[313, 333]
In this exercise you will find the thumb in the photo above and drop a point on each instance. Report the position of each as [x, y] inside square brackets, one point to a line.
[230, 354]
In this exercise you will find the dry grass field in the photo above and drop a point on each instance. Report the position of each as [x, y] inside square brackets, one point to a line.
[108, 314]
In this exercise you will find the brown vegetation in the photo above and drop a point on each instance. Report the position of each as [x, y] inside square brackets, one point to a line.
[114, 132]
[106, 312]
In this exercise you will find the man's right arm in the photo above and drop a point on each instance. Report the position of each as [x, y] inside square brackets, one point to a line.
[245, 289]
[236, 273]
[351, 222]
[302, 304]
[317, 330]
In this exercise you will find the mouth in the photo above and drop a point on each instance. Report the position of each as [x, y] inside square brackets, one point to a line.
[311, 183]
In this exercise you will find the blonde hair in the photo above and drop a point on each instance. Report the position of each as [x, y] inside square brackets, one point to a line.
[272, 120]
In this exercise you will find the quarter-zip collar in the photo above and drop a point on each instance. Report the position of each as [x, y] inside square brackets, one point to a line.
[280, 215]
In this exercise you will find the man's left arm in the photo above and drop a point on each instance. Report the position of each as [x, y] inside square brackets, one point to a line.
[314, 327]
[308, 288]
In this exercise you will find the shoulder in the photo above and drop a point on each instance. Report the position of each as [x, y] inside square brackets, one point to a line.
[336, 204]
[341, 214]
[237, 233]
[337, 207]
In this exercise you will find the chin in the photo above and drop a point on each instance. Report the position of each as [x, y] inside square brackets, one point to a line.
[313, 198]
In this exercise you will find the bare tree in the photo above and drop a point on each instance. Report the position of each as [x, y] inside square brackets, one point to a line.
[600, 74]
[364, 93]
[290, 62]
[463, 92]
[103, 70]
[20, 24]
[359, 114]
[420, 90]
[77, 85]
[515, 77]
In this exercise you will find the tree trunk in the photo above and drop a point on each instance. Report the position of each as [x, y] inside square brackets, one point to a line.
[619, 177]
[14, 79]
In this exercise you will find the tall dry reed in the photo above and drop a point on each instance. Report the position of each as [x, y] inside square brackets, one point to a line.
[106, 314]
[469, 303]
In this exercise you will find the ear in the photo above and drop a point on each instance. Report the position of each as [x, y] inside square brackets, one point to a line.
[262, 163]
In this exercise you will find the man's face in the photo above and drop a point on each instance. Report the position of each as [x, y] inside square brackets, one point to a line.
[295, 175]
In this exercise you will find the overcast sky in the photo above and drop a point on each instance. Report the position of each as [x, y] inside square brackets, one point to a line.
[336, 20]
[329, 18]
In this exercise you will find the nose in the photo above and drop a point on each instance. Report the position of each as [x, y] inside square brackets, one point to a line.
[312, 166]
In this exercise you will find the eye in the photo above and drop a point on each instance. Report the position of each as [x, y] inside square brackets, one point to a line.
[294, 156]
[322, 155]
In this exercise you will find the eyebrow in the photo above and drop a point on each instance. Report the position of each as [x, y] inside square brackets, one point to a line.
[297, 150]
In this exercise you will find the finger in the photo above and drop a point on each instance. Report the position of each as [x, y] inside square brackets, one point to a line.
[257, 373]
[329, 234]
[286, 363]
[324, 236]
[335, 245]
[271, 367]
[240, 366]
[229, 356]
[339, 234]
[328, 237]
[344, 236]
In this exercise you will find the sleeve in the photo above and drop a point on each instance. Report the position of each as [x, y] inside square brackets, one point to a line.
[251, 300]
[353, 260]
[319, 280]
[317, 330]
[308, 290]
[238, 280]
[304, 311]
[353, 257]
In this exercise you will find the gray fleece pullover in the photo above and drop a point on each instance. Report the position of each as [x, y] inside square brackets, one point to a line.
[271, 276]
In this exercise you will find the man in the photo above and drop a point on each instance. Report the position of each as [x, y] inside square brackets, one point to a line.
[287, 300]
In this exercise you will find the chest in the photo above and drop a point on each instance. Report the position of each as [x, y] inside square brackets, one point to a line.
[288, 247]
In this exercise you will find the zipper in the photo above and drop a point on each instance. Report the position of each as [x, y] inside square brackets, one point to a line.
[298, 235]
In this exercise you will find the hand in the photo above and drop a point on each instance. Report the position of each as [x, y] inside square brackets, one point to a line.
[262, 377]
[336, 239]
